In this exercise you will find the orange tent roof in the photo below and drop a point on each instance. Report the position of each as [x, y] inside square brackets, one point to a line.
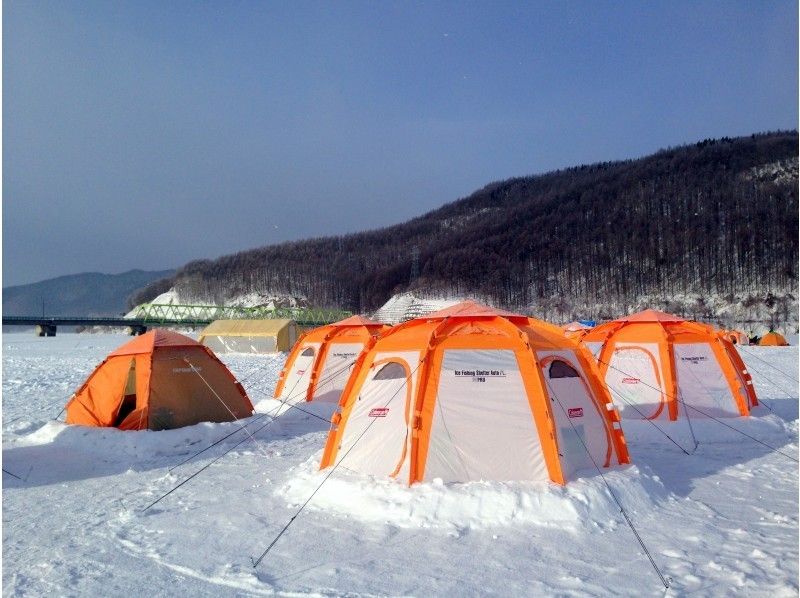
[470, 309]
[155, 338]
[356, 321]
[651, 315]
[774, 339]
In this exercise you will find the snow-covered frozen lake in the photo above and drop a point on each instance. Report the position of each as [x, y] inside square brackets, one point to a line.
[722, 520]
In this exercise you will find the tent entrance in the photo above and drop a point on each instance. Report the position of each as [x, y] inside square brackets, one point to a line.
[128, 403]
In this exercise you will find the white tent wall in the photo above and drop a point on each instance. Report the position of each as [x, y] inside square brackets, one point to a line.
[582, 434]
[483, 427]
[382, 406]
[336, 370]
[298, 376]
[701, 382]
[634, 378]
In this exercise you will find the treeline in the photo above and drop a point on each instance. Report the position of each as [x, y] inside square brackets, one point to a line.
[716, 217]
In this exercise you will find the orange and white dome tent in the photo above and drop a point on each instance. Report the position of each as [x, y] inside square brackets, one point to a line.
[474, 393]
[653, 361]
[158, 381]
[321, 360]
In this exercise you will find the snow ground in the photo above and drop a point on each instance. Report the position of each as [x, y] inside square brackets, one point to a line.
[722, 520]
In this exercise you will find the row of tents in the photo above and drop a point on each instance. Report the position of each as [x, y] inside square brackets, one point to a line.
[467, 393]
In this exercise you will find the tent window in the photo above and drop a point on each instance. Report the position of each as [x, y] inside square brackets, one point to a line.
[129, 398]
[561, 369]
[391, 371]
[308, 352]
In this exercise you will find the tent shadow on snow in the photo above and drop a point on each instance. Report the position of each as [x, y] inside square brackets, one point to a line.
[78, 453]
[719, 447]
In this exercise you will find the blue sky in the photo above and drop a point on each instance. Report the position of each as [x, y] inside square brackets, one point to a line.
[147, 134]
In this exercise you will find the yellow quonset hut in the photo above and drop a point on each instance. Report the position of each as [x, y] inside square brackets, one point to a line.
[250, 336]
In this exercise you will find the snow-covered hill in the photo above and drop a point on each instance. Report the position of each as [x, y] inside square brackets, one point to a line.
[721, 521]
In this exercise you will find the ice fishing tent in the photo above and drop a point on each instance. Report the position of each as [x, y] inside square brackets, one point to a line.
[737, 337]
[474, 393]
[653, 361]
[250, 336]
[321, 361]
[773, 339]
[159, 380]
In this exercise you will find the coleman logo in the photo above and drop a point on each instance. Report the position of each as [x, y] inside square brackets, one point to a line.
[379, 412]
[575, 412]
[631, 380]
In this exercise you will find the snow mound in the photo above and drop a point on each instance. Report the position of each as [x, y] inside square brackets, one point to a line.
[583, 503]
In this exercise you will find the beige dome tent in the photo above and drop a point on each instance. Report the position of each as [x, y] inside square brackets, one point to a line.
[250, 336]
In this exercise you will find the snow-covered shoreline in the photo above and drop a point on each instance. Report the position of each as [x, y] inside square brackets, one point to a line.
[722, 520]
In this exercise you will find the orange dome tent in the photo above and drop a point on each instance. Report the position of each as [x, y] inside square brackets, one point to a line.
[652, 361]
[773, 339]
[322, 359]
[474, 393]
[160, 380]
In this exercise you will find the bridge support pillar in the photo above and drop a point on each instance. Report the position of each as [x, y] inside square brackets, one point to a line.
[136, 330]
[45, 330]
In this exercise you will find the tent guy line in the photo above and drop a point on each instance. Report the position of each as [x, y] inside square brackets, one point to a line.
[256, 562]
[708, 415]
[250, 436]
[610, 490]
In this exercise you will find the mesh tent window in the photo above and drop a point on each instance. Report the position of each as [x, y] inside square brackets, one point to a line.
[561, 369]
[391, 371]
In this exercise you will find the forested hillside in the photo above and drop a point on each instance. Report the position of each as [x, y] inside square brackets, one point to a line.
[687, 229]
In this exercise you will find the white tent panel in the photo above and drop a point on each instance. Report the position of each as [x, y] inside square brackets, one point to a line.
[297, 378]
[376, 438]
[483, 427]
[333, 376]
[582, 435]
[701, 382]
[634, 380]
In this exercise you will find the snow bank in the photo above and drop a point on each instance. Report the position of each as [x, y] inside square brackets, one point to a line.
[583, 503]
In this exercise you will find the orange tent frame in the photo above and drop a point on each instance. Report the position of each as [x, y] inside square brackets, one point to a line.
[353, 330]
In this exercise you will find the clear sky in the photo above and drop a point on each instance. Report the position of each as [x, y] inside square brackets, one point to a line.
[147, 134]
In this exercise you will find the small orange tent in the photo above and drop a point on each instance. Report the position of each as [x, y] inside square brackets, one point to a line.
[652, 360]
[321, 361]
[474, 393]
[773, 339]
[159, 380]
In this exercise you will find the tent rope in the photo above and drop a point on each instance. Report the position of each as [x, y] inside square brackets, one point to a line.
[256, 562]
[12, 475]
[645, 418]
[748, 352]
[250, 436]
[772, 448]
[224, 404]
[610, 490]
[257, 418]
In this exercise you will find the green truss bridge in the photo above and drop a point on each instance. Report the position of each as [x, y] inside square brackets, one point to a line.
[149, 315]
